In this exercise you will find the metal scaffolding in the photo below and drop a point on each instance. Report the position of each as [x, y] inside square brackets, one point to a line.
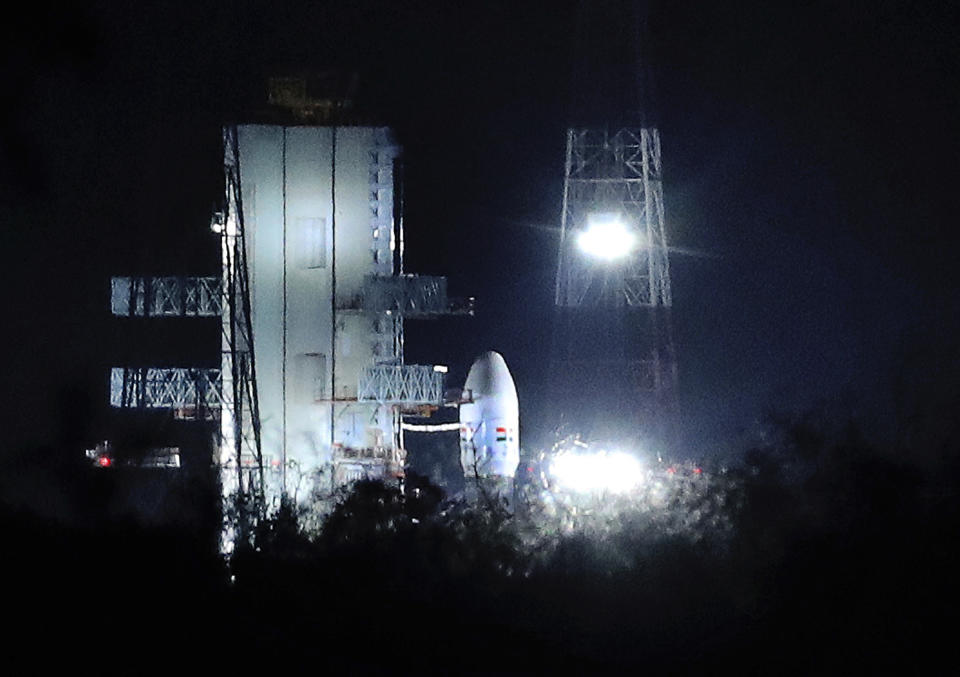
[193, 393]
[617, 172]
[240, 414]
[401, 384]
[612, 335]
[165, 296]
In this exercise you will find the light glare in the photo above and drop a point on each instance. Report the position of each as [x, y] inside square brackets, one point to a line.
[615, 472]
[606, 238]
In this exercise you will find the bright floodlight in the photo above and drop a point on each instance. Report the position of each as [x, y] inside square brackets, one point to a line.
[615, 472]
[606, 237]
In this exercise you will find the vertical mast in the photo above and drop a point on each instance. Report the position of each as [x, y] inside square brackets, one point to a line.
[241, 459]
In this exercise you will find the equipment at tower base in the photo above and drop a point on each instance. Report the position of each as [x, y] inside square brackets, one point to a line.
[490, 427]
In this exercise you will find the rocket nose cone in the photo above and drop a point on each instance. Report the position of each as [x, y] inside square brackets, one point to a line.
[489, 375]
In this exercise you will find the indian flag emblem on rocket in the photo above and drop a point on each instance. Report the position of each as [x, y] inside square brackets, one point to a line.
[493, 417]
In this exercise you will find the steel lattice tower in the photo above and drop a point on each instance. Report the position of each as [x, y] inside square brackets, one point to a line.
[613, 364]
[614, 173]
[241, 458]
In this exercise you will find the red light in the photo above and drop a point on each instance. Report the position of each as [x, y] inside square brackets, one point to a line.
[105, 461]
[671, 470]
[697, 470]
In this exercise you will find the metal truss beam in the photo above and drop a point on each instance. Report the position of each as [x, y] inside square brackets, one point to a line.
[165, 296]
[193, 393]
[401, 384]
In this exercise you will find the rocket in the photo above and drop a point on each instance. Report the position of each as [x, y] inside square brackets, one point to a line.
[490, 420]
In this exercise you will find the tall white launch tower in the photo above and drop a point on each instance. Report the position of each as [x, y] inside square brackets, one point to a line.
[318, 213]
[312, 300]
[321, 232]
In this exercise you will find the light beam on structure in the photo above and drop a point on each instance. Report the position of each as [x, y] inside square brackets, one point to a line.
[615, 173]
[607, 237]
[613, 370]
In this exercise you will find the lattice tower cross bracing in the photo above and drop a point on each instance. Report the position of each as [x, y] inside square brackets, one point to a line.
[613, 344]
[240, 453]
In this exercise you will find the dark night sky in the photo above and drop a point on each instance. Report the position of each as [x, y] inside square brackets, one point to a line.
[810, 152]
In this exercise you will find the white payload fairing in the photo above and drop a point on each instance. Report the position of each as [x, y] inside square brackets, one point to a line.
[490, 421]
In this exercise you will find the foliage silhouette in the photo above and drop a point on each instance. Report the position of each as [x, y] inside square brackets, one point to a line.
[820, 552]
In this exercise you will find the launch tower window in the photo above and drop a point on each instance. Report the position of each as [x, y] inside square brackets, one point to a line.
[314, 234]
[316, 375]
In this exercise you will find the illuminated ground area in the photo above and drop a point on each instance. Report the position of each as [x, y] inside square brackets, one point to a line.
[665, 502]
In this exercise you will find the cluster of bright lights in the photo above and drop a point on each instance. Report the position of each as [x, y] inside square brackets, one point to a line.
[606, 237]
[615, 472]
